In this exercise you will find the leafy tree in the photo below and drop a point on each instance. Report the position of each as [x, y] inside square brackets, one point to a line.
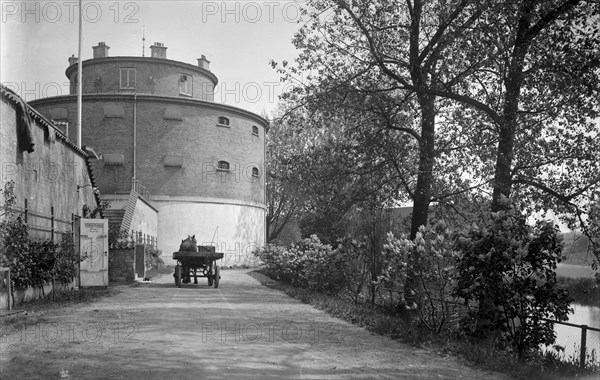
[534, 88]
[323, 165]
[507, 92]
[282, 198]
[385, 58]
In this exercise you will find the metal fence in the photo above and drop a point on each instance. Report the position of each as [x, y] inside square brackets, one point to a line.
[576, 343]
[41, 225]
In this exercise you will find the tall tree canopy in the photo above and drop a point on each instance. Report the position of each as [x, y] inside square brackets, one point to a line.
[506, 93]
[325, 162]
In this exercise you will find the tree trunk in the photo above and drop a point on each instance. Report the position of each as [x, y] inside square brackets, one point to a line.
[422, 193]
[506, 141]
[506, 135]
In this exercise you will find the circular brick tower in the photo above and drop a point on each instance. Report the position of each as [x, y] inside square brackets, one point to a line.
[170, 159]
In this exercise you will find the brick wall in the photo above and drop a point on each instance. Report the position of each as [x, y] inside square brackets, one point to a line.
[152, 76]
[195, 139]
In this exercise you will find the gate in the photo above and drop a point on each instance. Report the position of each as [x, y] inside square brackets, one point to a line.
[94, 249]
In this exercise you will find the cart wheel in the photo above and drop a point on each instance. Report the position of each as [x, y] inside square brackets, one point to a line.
[217, 276]
[178, 275]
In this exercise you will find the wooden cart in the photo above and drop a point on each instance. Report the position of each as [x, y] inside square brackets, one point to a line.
[201, 263]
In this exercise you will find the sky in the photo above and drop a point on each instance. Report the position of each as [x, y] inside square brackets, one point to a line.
[239, 38]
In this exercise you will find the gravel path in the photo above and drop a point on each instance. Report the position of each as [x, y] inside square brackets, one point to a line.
[241, 330]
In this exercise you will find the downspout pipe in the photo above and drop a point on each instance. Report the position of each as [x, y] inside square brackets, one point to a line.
[134, 137]
[79, 79]
[264, 174]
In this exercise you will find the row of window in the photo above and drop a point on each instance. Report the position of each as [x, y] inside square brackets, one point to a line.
[117, 159]
[222, 121]
[224, 166]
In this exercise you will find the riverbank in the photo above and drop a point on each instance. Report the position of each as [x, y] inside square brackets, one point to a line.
[574, 271]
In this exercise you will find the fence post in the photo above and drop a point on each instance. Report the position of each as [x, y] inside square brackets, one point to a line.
[583, 348]
[5, 272]
[52, 223]
[9, 289]
[26, 210]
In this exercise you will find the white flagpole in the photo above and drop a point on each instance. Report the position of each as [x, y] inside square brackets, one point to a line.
[79, 79]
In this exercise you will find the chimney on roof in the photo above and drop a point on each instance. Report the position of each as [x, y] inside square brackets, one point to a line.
[203, 62]
[158, 50]
[72, 60]
[101, 50]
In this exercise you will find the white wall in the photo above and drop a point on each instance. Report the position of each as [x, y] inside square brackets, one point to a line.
[145, 219]
[236, 230]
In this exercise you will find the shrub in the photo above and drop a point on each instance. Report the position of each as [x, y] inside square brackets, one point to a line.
[33, 262]
[275, 261]
[507, 269]
[355, 270]
[153, 259]
[322, 268]
[430, 260]
[14, 251]
[308, 263]
[41, 256]
[119, 239]
[67, 259]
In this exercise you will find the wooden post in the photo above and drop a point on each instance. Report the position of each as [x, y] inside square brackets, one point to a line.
[52, 223]
[9, 289]
[5, 272]
[26, 211]
[582, 347]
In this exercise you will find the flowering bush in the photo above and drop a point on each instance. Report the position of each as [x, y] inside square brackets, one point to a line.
[275, 261]
[355, 268]
[308, 263]
[429, 259]
[507, 268]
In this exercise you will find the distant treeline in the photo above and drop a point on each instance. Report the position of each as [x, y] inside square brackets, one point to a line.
[576, 249]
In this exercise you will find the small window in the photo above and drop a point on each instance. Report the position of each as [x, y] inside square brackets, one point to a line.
[222, 121]
[255, 172]
[255, 130]
[127, 78]
[185, 85]
[223, 166]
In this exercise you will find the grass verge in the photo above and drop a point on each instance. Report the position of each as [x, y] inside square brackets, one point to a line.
[379, 321]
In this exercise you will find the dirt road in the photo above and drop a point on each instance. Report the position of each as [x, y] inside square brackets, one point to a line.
[241, 330]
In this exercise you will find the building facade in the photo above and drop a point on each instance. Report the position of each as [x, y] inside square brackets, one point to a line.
[153, 123]
[53, 179]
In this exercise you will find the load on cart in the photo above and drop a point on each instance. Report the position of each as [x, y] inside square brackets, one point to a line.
[195, 261]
